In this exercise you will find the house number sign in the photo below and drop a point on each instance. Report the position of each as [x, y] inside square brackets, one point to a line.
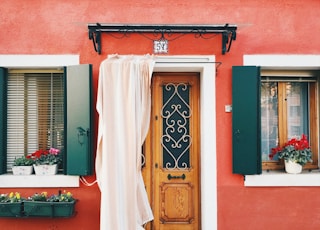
[160, 46]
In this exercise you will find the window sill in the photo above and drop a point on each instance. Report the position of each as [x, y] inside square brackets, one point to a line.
[35, 181]
[280, 178]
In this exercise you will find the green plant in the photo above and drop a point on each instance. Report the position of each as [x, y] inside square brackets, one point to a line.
[61, 197]
[12, 197]
[23, 161]
[296, 150]
[38, 197]
[46, 157]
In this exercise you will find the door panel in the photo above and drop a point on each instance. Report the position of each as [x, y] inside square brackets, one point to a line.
[174, 150]
[176, 203]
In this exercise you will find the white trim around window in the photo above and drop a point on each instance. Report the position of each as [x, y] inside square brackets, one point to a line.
[274, 178]
[283, 61]
[38, 61]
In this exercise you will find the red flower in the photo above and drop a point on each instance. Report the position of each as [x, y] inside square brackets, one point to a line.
[300, 144]
[274, 151]
[50, 156]
[38, 154]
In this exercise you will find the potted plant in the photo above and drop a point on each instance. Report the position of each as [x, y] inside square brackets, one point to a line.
[10, 204]
[22, 165]
[56, 205]
[296, 153]
[46, 162]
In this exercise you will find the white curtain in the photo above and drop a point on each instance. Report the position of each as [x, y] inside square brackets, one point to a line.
[123, 105]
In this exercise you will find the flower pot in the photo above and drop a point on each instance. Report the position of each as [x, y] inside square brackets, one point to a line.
[48, 209]
[22, 170]
[292, 167]
[10, 209]
[45, 169]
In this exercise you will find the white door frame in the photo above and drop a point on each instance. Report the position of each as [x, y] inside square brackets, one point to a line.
[206, 67]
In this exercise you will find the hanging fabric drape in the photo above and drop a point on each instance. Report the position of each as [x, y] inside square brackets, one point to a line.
[123, 106]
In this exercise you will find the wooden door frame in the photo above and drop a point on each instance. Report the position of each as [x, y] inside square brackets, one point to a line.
[208, 186]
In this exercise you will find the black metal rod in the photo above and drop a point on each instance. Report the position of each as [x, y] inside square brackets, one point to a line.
[228, 31]
[173, 28]
[183, 176]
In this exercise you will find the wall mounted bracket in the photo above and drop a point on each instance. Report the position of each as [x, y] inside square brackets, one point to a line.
[167, 32]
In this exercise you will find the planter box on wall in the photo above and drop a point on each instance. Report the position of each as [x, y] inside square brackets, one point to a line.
[48, 209]
[10, 209]
[37, 209]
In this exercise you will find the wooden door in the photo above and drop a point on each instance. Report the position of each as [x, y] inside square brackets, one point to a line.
[172, 150]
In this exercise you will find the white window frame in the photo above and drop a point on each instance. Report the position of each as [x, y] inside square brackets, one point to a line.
[38, 61]
[277, 178]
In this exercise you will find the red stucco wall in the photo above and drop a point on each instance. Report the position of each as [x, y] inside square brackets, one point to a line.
[264, 27]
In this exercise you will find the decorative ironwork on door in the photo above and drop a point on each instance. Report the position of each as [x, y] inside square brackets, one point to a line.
[175, 115]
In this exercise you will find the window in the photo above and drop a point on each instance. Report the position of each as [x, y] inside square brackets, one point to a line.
[42, 108]
[268, 108]
[35, 108]
[288, 109]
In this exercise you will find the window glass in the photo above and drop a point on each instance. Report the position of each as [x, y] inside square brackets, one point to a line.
[176, 113]
[297, 105]
[35, 112]
[269, 118]
[285, 114]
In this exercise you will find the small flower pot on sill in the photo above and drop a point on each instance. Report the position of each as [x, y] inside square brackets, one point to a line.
[46, 169]
[22, 170]
[292, 167]
[48, 209]
[10, 209]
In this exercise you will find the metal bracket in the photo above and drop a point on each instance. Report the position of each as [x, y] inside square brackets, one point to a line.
[95, 36]
[157, 32]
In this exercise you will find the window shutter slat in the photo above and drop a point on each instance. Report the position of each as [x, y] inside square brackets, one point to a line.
[3, 120]
[78, 120]
[246, 120]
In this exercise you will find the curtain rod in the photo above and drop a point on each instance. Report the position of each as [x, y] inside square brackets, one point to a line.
[165, 59]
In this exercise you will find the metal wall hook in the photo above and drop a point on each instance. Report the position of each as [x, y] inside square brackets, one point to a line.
[81, 135]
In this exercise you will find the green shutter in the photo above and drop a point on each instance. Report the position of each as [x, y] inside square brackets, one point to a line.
[246, 139]
[3, 120]
[78, 120]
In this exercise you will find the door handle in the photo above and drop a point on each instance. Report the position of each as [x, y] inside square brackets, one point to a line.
[183, 176]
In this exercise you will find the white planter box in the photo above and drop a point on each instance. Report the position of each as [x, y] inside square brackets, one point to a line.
[45, 169]
[22, 170]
